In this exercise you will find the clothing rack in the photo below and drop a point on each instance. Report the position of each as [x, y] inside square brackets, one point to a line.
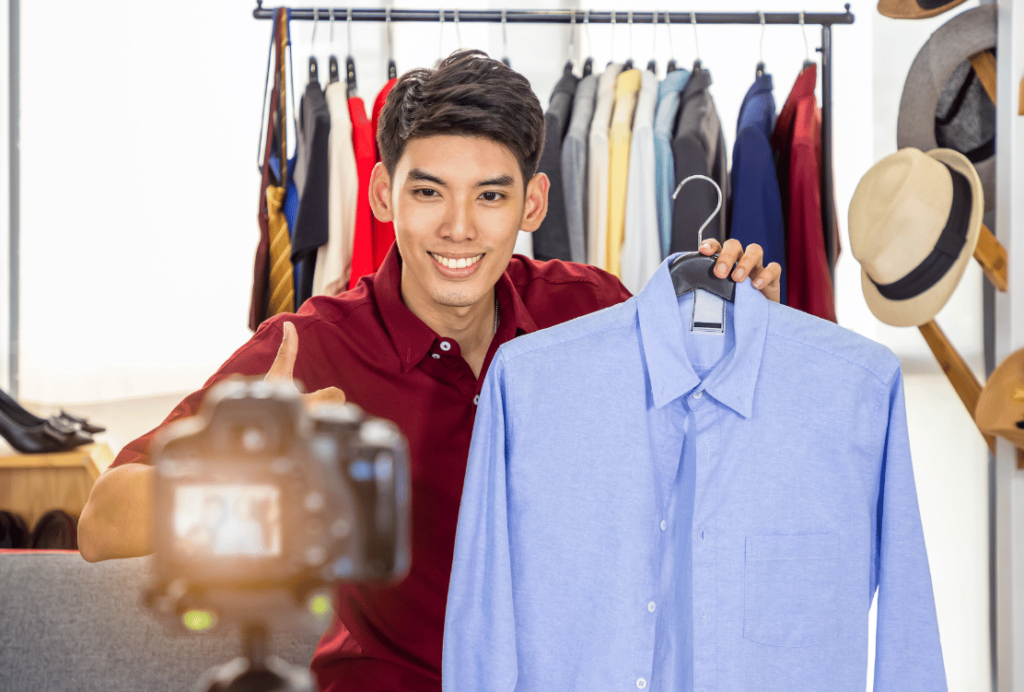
[826, 20]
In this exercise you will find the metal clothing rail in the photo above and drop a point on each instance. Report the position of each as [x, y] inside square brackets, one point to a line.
[825, 20]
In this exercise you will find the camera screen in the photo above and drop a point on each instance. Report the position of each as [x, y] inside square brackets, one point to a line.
[224, 520]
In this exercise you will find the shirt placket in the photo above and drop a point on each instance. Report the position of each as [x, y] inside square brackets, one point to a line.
[705, 592]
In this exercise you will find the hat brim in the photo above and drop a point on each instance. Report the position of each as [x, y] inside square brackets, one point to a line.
[909, 9]
[924, 306]
[957, 40]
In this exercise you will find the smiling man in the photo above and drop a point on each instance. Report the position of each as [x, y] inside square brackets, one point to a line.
[460, 146]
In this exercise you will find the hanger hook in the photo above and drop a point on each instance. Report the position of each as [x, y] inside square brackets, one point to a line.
[348, 25]
[504, 33]
[654, 39]
[586, 26]
[440, 37]
[803, 30]
[458, 31]
[572, 34]
[696, 45]
[760, 50]
[700, 232]
[629, 22]
[388, 30]
[316, 18]
[668, 28]
[332, 26]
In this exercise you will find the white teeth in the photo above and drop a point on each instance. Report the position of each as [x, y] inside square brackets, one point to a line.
[456, 263]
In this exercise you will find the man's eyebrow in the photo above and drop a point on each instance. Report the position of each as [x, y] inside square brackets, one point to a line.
[417, 174]
[499, 181]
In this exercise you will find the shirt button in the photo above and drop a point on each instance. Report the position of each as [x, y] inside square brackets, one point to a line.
[476, 400]
[664, 524]
[650, 607]
[446, 346]
[435, 356]
[698, 394]
[641, 683]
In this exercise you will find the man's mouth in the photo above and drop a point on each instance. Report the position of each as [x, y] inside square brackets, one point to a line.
[456, 262]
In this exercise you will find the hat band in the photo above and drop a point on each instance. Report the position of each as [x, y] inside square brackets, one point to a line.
[947, 248]
[931, 4]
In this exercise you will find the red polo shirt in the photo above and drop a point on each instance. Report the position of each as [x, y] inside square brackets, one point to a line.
[368, 344]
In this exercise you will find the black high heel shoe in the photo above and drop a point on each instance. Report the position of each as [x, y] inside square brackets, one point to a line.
[48, 436]
[24, 417]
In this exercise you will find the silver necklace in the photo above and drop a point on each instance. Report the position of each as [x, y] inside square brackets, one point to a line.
[495, 314]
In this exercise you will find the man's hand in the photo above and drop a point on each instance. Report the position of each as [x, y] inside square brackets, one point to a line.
[283, 368]
[766, 279]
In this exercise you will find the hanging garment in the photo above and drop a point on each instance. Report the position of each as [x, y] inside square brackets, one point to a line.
[796, 142]
[698, 148]
[551, 240]
[627, 88]
[259, 304]
[641, 247]
[574, 166]
[669, 97]
[598, 159]
[311, 179]
[383, 231]
[334, 260]
[366, 156]
[756, 202]
[282, 287]
[647, 505]
[367, 343]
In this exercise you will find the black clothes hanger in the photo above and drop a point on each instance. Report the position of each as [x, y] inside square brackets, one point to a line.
[332, 65]
[697, 66]
[392, 67]
[588, 64]
[807, 48]
[313, 71]
[504, 40]
[760, 62]
[652, 64]
[350, 63]
[694, 270]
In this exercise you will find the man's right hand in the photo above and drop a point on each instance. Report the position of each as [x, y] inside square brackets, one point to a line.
[283, 368]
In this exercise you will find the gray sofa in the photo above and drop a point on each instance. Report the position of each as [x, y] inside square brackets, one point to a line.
[68, 625]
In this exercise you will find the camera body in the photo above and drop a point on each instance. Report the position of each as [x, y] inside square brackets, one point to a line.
[259, 505]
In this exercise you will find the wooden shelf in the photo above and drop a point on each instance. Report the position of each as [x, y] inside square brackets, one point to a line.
[33, 484]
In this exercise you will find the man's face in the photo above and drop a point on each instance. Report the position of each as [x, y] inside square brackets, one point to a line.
[458, 204]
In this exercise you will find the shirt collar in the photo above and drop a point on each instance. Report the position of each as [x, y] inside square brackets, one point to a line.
[699, 81]
[663, 333]
[674, 82]
[411, 337]
[805, 82]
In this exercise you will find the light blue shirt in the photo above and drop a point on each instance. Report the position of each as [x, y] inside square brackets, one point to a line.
[649, 507]
[669, 97]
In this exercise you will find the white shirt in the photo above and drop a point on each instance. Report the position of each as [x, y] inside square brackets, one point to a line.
[599, 158]
[641, 247]
[334, 260]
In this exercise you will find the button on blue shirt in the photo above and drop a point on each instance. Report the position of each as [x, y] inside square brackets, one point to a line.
[669, 96]
[646, 506]
[756, 200]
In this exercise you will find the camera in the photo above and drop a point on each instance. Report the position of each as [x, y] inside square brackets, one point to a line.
[260, 505]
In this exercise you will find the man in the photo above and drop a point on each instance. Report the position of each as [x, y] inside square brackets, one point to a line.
[460, 146]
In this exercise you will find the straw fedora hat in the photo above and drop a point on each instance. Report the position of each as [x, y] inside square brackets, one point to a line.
[914, 223]
[1001, 406]
[944, 103]
[915, 9]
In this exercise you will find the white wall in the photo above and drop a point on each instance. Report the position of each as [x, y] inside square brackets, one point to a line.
[139, 196]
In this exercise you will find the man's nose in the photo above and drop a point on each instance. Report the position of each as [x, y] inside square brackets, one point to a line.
[458, 224]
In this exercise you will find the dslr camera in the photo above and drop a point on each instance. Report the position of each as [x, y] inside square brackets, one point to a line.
[260, 506]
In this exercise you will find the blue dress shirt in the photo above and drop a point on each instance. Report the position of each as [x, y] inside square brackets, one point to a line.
[756, 200]
[669, 96]
[646, 506]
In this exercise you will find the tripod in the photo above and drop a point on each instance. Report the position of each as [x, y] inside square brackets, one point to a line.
[256, 670]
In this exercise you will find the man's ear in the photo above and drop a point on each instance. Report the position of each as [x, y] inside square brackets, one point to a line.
[380, 193]
[536, 202]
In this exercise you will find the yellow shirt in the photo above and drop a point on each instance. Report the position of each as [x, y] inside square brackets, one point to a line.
[626, 89]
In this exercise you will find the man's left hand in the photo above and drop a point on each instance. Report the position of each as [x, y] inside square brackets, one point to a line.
[748, 263]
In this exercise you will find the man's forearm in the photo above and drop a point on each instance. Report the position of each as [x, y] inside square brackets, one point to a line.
[117, 519]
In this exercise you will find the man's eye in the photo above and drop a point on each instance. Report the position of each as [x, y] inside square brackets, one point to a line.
[425, 192]
[492, 196]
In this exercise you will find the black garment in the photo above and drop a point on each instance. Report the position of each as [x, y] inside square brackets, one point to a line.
[698, 149]
[551, 240]
[310, 230]
[55, 530]
[14, 533]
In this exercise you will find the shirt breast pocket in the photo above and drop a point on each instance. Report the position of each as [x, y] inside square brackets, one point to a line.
[791, 589]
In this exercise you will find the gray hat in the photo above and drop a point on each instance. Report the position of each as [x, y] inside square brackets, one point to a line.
[944, 104]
